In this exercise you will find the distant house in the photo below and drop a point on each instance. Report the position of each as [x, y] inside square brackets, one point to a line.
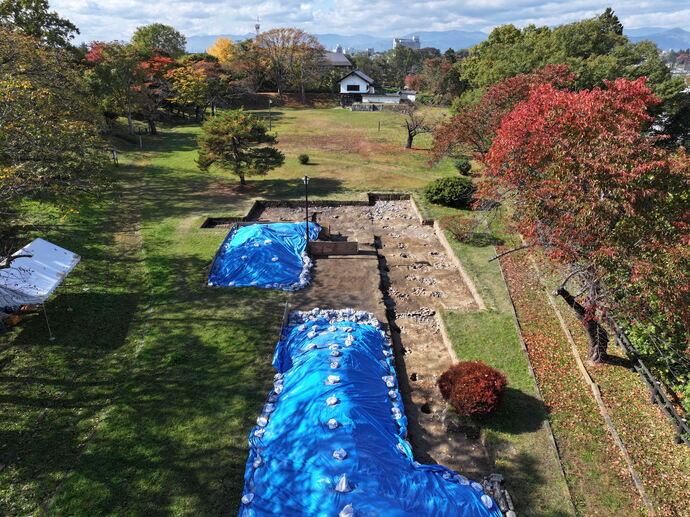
[412, 43]
[336, 61]
[353, 86]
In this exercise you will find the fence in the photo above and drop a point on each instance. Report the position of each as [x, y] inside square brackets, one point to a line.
[657, 394]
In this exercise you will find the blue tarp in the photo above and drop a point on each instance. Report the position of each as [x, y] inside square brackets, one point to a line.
[330, 440]
[264, 255]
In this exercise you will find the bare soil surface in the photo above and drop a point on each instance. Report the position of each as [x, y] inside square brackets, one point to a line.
[402, 274]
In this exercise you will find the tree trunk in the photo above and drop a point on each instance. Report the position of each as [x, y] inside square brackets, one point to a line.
[598, 337]
[242, 180]
[408, 144]
[152, 127]
[130, 124]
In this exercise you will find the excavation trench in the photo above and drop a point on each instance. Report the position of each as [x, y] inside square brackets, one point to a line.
[403, 275]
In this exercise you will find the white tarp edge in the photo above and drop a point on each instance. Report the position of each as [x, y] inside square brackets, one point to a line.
[33, 279]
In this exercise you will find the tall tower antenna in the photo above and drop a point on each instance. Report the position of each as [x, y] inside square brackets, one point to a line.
[257, 26]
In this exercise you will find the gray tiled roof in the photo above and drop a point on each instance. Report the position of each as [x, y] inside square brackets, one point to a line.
[361, 75]
[336, 59]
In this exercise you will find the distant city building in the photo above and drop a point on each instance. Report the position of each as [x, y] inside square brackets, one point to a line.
[351, 51]
[370, 51]
[412, 43]
[338, 48]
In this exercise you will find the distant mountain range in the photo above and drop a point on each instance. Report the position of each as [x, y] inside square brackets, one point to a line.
[664, 38]
[441, 39]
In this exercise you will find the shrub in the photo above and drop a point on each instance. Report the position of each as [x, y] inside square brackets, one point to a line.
[472, 388]
[460, 226]
[303, 159]
[463, 165]
[465, 229]
[456, 192]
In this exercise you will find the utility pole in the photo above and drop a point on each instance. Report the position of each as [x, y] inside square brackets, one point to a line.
[270, 101]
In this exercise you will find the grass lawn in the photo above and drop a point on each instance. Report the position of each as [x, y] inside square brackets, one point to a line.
[143, 403]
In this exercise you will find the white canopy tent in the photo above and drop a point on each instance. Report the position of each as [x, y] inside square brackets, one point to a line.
[32, 278]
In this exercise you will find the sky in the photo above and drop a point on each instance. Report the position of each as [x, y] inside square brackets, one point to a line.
[117, 19]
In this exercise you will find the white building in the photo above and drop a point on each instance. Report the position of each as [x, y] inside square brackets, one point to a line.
[413, 43]
[353, 86]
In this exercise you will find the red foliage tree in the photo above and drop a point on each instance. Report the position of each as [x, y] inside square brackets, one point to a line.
[599, 196]
[473, 128]
[472, 388]
[155, 88]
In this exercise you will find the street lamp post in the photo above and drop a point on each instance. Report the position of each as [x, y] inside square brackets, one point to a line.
[306, 205]
[270, 101]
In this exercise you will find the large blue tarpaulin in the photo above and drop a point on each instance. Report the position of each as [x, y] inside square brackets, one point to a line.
[330, 440]
[264, 255]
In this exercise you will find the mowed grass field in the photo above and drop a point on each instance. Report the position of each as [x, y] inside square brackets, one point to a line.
[143, 402]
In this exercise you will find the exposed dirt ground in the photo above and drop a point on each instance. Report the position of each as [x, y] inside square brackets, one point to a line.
[402, 272]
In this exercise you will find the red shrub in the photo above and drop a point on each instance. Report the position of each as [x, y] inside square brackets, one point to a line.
[472, 388]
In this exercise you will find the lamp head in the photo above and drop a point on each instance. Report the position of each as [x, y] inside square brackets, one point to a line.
[306, 180]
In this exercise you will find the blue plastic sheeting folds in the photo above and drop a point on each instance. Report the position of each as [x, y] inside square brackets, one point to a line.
[330, 440]
[264, 255]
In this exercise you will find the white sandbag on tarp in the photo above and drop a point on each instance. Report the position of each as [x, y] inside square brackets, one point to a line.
[32, 279]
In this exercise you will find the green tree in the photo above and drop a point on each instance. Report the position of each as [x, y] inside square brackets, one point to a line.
[401, 61]
[32, 18]
[160, 36]
[49, 131]
[235, 141]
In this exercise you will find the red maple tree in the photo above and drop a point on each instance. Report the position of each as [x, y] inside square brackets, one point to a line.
[472, 128]
[600, 196]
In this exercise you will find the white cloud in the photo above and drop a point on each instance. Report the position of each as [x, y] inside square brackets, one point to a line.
[117, 19]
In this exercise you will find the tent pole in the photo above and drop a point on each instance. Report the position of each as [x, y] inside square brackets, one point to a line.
[50, 333]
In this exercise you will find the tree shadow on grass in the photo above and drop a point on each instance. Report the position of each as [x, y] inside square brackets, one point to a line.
[294, 188]
[175, 440]
[521, 413]
[518, 413]
[482, 239]
[276, 116]
[51, 391]
[170, 194]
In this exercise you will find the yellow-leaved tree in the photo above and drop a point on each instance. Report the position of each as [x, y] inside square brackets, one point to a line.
[223, 49]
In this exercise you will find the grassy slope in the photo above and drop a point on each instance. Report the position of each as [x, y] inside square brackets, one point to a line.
[517, 436]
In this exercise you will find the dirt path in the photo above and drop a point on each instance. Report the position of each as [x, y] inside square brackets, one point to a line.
[402, 274]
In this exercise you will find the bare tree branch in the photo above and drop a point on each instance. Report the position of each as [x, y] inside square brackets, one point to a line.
[510, 251]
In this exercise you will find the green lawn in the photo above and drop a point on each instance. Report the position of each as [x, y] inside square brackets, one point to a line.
[143, 403]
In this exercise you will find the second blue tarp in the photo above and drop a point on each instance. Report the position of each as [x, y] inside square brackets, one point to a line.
[331, 439]
[264, 255]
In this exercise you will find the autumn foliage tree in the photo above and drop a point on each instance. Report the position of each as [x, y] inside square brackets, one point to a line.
[222, 49]
[596, 192]
[115, 75]
[50, 144]
[289, 56]
[472, 128]
[189, 89]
